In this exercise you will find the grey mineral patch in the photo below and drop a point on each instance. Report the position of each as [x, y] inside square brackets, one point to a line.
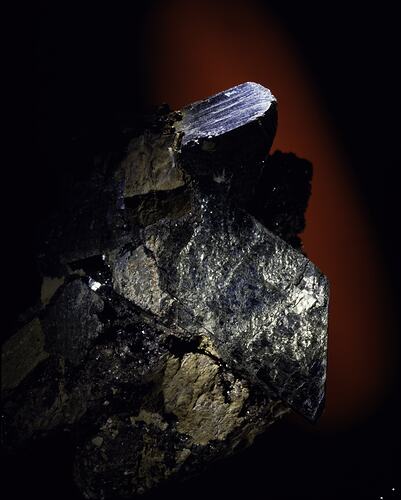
[72, 321]
[49, 287]
[194, 392]
[151, 166]
[21, 354]
[136, 277]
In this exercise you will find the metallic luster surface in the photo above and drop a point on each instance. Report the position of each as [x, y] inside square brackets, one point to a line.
[173, 326]
[225, 111]
[262, 303]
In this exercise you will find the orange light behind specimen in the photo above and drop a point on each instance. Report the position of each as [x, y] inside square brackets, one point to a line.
[202, 47]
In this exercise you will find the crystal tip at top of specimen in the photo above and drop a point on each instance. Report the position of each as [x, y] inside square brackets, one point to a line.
[225, 111]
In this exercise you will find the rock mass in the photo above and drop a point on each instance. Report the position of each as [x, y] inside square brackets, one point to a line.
[179, 316]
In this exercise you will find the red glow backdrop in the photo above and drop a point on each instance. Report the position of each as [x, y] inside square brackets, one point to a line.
[202, 47]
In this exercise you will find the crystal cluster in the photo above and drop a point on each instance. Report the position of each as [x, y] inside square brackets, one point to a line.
[178, 315]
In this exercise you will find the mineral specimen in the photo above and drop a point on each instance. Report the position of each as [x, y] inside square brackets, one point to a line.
[178, 315]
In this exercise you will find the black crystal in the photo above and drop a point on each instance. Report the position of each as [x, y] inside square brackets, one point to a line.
[178, 315]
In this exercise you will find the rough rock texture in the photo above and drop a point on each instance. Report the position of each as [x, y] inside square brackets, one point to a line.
[261, 302]
[178, 316]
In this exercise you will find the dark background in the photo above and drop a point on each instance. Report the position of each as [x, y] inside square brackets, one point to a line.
[82, 69]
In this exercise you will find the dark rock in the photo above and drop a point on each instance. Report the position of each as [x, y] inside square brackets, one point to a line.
[282, 196]
[71, 322]
[174, 323]
[227, 137]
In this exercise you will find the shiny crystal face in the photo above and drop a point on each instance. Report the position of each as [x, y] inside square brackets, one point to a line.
[262, 303]
[224, 112]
